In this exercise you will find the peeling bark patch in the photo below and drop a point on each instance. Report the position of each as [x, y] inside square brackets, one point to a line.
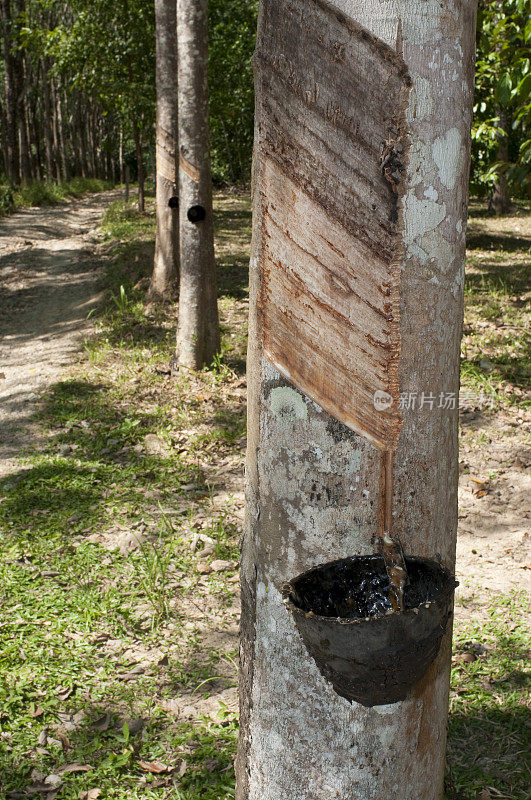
[333, 149]
[448, 154]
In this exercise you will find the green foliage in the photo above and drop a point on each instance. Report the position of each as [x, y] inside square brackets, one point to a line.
[503, 95]
[105, 53]
[7, 200]
[47, 193]
[232, 30]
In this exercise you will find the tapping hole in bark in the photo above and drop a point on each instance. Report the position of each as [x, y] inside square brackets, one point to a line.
[173, 202]
[368, 652]
[196, 213]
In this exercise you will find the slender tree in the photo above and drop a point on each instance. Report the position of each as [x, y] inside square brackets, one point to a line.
[10, 94]
[165, 268]
[360, 194]
[198, 335]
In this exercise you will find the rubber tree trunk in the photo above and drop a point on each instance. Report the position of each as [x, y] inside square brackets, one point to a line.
[166, 263]
[198, 335]
[55, 131]
[47, 122]
[139, 163]
[20, 82]
[61, 134]
[121, 156]
[360, 198]
[13, 164]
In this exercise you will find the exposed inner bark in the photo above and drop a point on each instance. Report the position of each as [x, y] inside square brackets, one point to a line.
[334, 148]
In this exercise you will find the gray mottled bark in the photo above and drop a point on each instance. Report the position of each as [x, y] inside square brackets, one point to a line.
[360, 194]
[166, 264]
[198, 328]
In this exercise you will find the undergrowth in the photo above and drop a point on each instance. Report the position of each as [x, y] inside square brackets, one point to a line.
[47, 193]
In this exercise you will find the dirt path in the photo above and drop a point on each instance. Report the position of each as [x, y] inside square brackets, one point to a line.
[48, 286]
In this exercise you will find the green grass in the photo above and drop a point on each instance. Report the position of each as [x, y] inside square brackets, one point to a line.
[125, 223]
[136, 459]
[67, 595]
[496, 345]
[489, 725]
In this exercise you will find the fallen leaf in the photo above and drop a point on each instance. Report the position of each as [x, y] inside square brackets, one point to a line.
[102, 723]
[132, 674]
[211, 764]
[43, 736]
[65, 741]
[220, 566]
[38, 788]
[74, 768]
[54, 780]
[153, 766]
[91, 794]
[463, 658]
[133, 725]
[37, 712]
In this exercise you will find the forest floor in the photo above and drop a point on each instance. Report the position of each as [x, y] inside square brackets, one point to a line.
[121, 505]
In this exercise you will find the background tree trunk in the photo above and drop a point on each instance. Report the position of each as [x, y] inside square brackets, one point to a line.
[121, 156]
[198, 335]
[166, 264]
[47, 123]
[60, 132]
[139, 164]
[360, 192]
[500, 201]
[13, 168]
[55, 131]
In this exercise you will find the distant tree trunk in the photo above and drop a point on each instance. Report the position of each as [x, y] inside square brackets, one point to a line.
[166, 263]
[121, 156]
[13, 164]
[34, 116]
[360, 183]
[89, 142]
[198, 337]
[20, 83]
[3, 124]
[500, 200]
[61, 134]
[139, 163]
[47, 122]
[55, 130]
